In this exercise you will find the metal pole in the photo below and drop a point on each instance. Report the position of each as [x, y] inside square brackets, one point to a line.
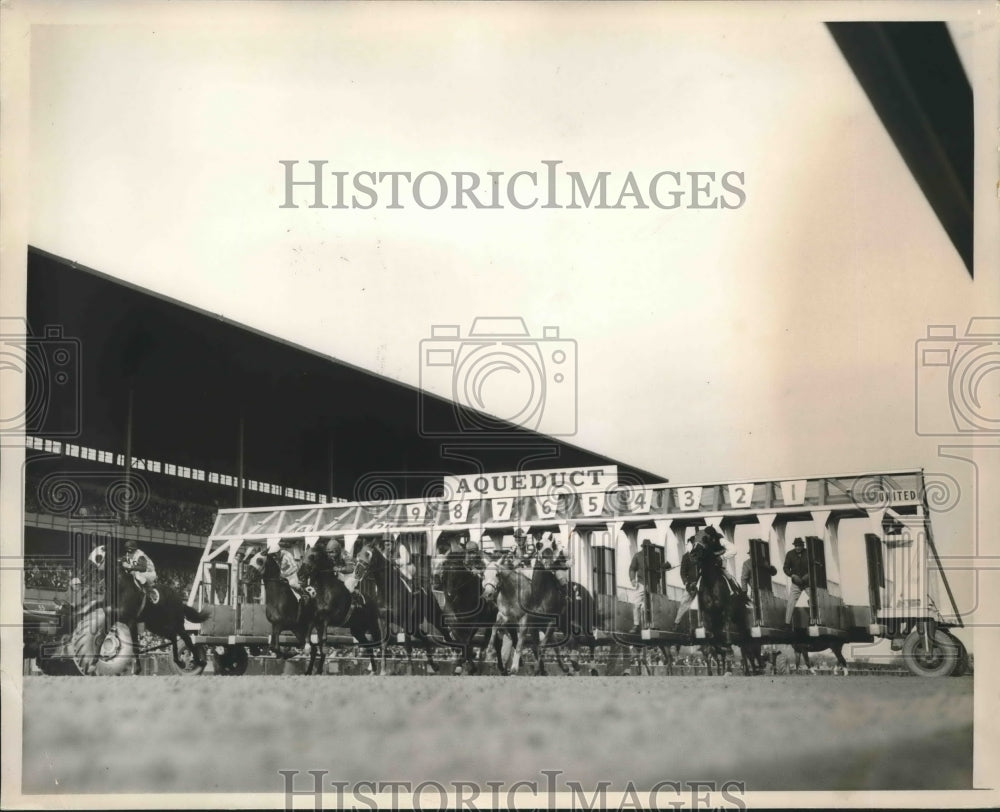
[239, 466]
[329, 457]
[128, 460]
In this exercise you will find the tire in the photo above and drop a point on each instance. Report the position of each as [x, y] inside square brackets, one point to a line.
[85, 642]
[116, 655]
[962, 668]
[57, 666]
[232, 662]
[190, 669]
[940, 661]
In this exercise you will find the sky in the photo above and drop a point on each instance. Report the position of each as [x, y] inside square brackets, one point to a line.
[775, 339]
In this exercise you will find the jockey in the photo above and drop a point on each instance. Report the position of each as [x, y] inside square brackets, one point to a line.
[401, 558]
[142, 569]
[287, 564]
[712, 540]
[474, 555]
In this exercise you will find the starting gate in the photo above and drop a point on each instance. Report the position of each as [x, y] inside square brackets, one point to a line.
[872, 562]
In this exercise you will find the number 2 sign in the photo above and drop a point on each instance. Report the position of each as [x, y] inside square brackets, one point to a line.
[740, 496]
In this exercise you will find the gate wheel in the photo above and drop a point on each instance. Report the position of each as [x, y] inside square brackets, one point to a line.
[186, 657]
[962, 667]
[232, 662]
[116, 655]
[940, 661]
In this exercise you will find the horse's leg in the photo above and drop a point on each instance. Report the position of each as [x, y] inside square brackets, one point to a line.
[429, 651]
[805, 657]
[133, 629]
[838, 652]
[497, 640]
[189, 643]
[275, 634]
[543, 638]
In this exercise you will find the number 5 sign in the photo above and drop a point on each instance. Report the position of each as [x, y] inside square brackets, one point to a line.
[592, 504]
[688, 498]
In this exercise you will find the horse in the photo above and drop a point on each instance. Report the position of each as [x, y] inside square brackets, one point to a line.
[130, 605]
[724, 616]
[465, 611]
[336, 605]
[532, 605]
[281, 608]
[407, 606]
[836, 646]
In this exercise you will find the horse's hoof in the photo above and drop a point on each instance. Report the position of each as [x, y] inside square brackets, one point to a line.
[458, 671]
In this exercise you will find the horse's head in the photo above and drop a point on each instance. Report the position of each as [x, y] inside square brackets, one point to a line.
[367, 559]
[256, 564]
[491, 580]
[498, 565]
[98, 557]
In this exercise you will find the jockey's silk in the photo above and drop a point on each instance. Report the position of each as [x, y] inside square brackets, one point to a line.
[289, 568]
[145, 574]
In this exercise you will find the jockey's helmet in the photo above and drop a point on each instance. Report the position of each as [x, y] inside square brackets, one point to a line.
[285, 543]
[131, 544]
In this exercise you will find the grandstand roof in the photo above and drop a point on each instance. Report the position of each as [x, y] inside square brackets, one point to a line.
[194, 374]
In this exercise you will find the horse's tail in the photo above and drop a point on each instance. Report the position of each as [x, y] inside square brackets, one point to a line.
[193, 615]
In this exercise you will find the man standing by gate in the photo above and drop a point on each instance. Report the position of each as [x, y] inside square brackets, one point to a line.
[797, 569]
[645, 572]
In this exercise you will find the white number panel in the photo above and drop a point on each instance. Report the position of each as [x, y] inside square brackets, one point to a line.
[688, 498]
[458, 512]
[501, 509]
[793, 491]
[546, 507]
[592, 504]
[740, 496]
[638, 500]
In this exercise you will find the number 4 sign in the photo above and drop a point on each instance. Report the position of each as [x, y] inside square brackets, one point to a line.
[638, 500]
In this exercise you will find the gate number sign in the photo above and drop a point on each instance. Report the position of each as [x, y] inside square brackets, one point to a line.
[740, 496]
[793, 491]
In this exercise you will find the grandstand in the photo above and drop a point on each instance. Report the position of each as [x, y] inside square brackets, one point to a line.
[195, 401]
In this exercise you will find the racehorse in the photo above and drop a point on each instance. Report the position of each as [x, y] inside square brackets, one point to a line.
[281, 607]
[129, 604]
[465, 611]
[337, 606]
[407, 606]
[533, 606]
[836, 646]
[724, 616]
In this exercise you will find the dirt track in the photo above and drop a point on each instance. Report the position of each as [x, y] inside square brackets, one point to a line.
[189, 734]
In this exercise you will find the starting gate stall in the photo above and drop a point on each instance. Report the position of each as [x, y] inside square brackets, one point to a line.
[873, 567]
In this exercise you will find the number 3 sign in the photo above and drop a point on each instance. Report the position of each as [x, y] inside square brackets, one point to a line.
[688, 498]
